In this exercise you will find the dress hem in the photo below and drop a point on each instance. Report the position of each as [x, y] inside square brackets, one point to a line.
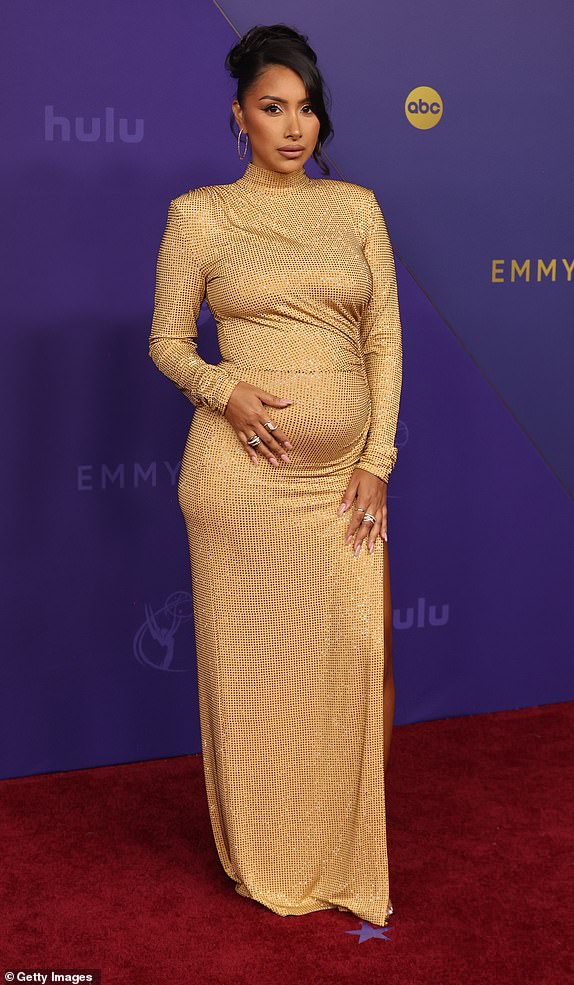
[302, 909]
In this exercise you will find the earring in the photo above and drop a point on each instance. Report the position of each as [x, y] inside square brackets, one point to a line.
[239, 144]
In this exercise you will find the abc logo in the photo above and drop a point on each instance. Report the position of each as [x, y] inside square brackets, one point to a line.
[423, 107]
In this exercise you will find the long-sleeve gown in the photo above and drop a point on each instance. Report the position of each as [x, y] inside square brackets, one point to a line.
[299, 275]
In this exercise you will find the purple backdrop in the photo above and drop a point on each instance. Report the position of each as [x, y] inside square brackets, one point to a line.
[115, 110]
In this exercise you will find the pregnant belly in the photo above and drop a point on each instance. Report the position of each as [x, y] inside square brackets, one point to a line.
[327, 424]
[329, 416]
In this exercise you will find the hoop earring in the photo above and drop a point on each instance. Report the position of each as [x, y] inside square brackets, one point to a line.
[239, 144]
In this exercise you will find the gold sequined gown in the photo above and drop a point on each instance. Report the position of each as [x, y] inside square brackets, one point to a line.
[299, 275]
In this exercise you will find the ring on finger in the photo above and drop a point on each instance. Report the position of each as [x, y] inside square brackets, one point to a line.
[254, 441]
[270, 425]
[369, 518]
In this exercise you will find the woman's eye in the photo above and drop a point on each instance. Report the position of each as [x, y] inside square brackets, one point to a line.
[275, 106]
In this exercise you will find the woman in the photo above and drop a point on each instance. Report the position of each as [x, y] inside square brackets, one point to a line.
[292, 436]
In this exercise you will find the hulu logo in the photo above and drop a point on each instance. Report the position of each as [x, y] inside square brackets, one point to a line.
[421, 616]
[91, 130]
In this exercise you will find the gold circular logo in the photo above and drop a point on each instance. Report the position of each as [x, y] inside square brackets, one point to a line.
[423, 107]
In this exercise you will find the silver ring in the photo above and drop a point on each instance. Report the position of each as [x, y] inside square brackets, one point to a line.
[254, 441]
[270, 425]
[359, 510]
[369, 518]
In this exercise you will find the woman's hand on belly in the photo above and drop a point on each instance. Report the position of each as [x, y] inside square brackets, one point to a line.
[247, 415]
[371, 498]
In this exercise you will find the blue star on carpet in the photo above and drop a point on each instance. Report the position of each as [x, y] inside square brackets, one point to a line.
[367, 930]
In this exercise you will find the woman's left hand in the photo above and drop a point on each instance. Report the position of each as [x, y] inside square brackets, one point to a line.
[371, 494]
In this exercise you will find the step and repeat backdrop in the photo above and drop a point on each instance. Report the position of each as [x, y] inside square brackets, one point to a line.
[459, 120]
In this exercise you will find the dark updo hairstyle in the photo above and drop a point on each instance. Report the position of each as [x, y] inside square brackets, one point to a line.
[278, 44]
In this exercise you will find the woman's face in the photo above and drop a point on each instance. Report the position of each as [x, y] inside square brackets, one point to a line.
[276, 114]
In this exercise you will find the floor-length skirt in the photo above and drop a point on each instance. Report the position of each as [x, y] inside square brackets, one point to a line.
[289, 629]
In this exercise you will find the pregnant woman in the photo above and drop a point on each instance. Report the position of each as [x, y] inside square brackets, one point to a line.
[283, 489]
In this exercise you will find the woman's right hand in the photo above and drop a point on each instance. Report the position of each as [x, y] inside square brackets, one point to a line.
[246, 413]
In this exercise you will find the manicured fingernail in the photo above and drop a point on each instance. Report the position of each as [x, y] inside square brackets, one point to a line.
[371, 548]
[285, 458]
[357, 549]
[288, 444]
[342, 508]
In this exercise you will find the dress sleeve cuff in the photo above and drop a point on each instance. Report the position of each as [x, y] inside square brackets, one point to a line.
[215, 391]
[381, 469]
[224, 386]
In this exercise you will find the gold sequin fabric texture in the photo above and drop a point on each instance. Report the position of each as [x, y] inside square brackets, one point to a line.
[299, 276]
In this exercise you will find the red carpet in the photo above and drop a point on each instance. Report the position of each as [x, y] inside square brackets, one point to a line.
[115, 868]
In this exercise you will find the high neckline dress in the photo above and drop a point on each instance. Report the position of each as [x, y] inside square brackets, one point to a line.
[299, 275]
